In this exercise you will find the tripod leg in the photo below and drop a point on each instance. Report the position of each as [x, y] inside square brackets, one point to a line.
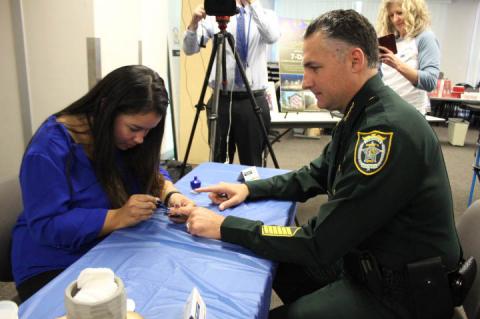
[255, 106]
[213, 117]
[200, 105]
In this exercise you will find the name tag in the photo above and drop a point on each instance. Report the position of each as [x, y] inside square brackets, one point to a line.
[248, 174]
[195, 307]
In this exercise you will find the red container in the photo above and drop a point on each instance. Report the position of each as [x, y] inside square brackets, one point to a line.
[458, 89]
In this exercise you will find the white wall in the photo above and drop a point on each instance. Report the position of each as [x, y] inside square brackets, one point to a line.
[473, 72]
[55, 36]
[12, 138]
[174, 40]
[154, 36]
[120, 25]
[453, 24]
[53, 72]
[117, 24]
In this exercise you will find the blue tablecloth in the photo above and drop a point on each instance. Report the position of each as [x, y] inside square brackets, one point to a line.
[160, 263]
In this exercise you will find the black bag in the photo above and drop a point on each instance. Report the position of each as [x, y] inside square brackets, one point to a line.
[430, 289]
[174, 168]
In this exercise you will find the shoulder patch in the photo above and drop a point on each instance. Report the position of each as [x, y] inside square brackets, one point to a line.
[279, 231]
[372, 150]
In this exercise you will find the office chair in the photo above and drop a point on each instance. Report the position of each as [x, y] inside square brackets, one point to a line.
[10, 208]
[468, 228]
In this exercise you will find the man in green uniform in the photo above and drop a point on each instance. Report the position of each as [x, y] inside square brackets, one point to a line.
[390, 206]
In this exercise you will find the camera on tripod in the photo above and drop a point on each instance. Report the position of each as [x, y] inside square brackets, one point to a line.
[220, 7]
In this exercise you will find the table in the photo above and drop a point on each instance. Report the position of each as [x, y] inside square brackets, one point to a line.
[160, 263]
[454, 100]
[322, 119]
[454, 107]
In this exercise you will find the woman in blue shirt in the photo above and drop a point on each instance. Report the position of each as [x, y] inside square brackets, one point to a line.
[90, 169]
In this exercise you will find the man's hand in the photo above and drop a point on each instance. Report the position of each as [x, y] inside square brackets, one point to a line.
[226, 195]
[204, 223]
[198, 14]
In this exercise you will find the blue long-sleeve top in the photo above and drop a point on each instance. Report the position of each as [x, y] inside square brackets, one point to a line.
[428, 60]
[57, 225]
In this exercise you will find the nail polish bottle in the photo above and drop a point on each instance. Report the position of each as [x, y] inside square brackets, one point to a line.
[195, 183]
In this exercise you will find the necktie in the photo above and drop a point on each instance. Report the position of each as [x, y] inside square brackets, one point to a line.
[241, 43]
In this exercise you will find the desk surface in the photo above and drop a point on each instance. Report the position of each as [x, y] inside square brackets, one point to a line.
[303, 119]
[160, 263]
[316, 119]
[455, 100]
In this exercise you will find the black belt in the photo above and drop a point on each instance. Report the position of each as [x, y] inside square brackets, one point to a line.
[381, 280]
[242, 94]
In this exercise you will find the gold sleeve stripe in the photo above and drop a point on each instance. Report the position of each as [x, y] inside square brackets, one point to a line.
[279, 231]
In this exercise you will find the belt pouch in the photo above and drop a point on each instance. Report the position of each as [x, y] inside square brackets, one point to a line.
[429, 288]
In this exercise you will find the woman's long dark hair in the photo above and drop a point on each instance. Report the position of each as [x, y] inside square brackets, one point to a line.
[133, 89]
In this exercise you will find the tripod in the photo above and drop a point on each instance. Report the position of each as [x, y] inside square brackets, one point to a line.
[219, 53]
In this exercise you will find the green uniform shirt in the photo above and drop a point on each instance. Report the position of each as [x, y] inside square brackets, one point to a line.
[388, 190]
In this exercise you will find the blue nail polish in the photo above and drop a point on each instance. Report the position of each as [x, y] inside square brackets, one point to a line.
[195, 183]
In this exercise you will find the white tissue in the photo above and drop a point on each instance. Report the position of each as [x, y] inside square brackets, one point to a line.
[96, 285]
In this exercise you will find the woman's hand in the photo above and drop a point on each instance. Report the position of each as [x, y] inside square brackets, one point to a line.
[175, 203]
[138, 208]
[226, 195]
[179, 200]
[389, 58]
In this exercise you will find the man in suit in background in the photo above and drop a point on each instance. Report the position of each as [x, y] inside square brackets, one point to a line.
[253, 28]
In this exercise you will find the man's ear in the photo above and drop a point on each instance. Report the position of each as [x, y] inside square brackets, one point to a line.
[358, 60]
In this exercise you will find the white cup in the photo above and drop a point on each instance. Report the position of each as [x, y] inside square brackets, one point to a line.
[8, 309]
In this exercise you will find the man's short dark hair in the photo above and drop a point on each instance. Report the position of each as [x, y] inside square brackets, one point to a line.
[350, 27]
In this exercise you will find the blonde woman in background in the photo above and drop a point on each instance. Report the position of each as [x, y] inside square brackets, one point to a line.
[414, 70]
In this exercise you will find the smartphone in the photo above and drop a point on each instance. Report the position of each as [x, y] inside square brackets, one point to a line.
[388, 41]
